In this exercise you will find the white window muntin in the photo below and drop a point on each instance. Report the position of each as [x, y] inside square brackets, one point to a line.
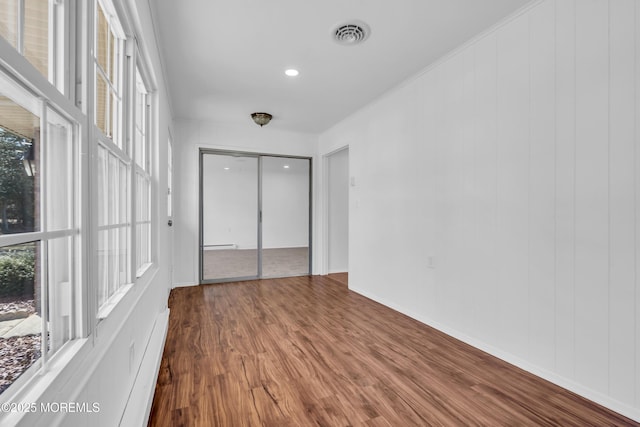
[49, 115]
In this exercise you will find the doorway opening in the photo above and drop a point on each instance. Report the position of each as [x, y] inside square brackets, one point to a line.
[337, 212]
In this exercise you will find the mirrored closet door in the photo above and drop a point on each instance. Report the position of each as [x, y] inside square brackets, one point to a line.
[254, 216]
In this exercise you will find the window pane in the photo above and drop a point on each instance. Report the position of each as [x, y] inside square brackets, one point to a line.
[103, 36]
[103, 266]
[123, 255]
[113, 49]
[59, 166]
[9, 21]
[36, 34]
[114, 258]
[123, 201]
[103, 118]
[103, 196]
[60, 284]
[145, 243]
[113, 125]
[140, 136]
[141, 198]
[143, 254]
[20, 311]
[19, 155]
[112, 262]
[143, 227]
[113, 190]
[138, 232]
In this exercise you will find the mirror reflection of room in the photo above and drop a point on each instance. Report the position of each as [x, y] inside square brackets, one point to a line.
[255, 216]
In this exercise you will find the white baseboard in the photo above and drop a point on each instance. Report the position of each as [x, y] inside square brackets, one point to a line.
[595, 396]
[138, 407]
[184, 285]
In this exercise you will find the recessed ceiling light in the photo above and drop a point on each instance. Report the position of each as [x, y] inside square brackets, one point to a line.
[226, 169]
[291, 72]
[286, 166]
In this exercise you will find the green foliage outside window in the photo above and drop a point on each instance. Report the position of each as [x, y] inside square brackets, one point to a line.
[16, 187]
[17, 272]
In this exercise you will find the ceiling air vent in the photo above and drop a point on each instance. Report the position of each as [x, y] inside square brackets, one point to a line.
[352, 33]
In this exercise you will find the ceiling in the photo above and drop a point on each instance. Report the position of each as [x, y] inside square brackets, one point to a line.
[225, 59]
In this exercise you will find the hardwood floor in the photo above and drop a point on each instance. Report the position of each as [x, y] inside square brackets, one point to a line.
[306, 351]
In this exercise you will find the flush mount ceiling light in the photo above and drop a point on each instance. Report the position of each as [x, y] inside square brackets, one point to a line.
[261, 118]
[351, 33]
[291, 72]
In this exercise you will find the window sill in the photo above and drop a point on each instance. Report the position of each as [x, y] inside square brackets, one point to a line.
[108, 306]
[143, 269]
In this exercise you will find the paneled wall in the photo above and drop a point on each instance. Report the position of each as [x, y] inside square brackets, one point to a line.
[498, 195]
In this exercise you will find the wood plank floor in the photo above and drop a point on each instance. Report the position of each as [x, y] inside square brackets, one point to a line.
[306, 351]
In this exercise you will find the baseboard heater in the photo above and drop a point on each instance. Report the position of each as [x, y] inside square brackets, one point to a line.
[217, 247]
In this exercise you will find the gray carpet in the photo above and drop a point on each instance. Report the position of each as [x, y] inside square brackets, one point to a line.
[231, 263]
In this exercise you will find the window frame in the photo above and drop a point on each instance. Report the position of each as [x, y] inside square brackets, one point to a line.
[42, 107]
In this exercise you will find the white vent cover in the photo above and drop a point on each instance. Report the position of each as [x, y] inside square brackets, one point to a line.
[351, 33]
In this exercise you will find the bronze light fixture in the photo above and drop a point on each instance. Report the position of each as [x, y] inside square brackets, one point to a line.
[261, 118]
[29, 161]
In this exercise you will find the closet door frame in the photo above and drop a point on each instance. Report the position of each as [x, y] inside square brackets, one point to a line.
[259, 157]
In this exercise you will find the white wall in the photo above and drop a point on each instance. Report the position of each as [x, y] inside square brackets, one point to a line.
[190, 136]
[338, 211]
[496, 196]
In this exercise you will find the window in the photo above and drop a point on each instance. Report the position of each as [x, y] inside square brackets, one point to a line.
[114, 162]
[123, 169]
[37, 232]
[28, 26]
